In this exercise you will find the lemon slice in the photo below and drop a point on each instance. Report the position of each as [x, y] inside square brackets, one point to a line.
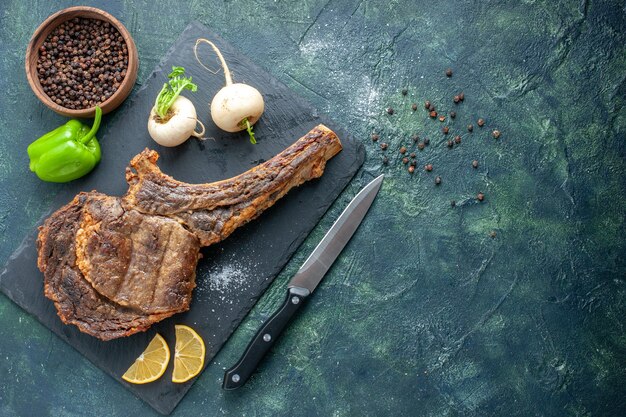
[188, 354]
[151, 364]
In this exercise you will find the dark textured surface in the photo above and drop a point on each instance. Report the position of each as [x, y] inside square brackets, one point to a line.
[424, 313]
[233, 273]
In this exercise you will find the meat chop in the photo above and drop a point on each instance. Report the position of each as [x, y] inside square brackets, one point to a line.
[114, 266]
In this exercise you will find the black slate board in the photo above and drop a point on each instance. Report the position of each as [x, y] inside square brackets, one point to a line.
[232, 275]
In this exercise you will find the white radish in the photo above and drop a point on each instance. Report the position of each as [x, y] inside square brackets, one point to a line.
[173, 118]
[178, 127]
[236, 106]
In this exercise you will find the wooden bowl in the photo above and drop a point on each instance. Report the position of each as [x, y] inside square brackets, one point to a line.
[40, 35]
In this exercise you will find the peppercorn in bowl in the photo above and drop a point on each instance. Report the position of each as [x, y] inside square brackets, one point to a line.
[81, 57]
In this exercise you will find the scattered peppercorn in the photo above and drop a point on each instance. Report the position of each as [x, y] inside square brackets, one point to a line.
[480, 196]
[475, 163]
[375, 137]
[462, 96]
[445, 130]
[480, 122]
[453, 203]
[385, 160]
[493, 234]
[414, 106]
[421, 146]
[412, 155]
[456, 99]
[383, 146]
[416, 138]
[411, 169]
[405, 92]
[452, 114]
[495, 134]
[428, 167]
[433, 114]
[457, 139]
[470, 128]
[426, 141]
[405, 160]
[442, 118]
[449, 72]
[450, 144]
[403, 150]
[437, 180]
[427, 105]
[413, 163]
[389, 110]
[431, 107]
[82, 63]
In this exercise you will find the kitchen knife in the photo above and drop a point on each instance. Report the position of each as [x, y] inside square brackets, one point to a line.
[303, 283]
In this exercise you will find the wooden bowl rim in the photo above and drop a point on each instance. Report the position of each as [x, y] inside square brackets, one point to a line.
[55, 20]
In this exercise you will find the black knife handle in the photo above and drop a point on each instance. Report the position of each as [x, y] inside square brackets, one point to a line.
[264, 339]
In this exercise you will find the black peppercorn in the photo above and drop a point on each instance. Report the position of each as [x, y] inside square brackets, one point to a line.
[474, 164]
[437, 180]
[470, 128]
[375, 137]
[405, 92]
[389, 110]
[457, 139]
[480, 196]
[449, 72]
[428, 167]
[383, 146]
[481, 122]
[495, 134]
[413, 106]
[452, 114]
[405, 160]
[445, 130]
[66, 63]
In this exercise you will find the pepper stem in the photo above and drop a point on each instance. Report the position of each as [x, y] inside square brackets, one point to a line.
[94, 127]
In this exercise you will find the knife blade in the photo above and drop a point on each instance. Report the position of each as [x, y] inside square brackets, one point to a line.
[303, 284]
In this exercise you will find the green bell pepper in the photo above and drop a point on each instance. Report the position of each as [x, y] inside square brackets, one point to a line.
[66, 153]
